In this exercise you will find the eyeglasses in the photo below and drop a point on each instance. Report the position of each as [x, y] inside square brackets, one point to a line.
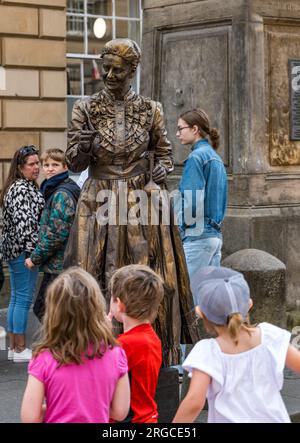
[179, 129]
[27, 150]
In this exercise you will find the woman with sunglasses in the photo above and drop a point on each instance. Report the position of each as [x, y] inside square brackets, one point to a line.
[22, 204]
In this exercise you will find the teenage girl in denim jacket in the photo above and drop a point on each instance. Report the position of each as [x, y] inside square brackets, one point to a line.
[203, 188]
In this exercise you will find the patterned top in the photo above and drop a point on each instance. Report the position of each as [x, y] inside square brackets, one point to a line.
[23, 205]
[126, 130]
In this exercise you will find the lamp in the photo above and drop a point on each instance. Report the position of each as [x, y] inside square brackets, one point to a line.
[99, 27]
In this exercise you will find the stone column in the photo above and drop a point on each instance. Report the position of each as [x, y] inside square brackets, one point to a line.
[231, 59]
[32, 76]
[265, 276]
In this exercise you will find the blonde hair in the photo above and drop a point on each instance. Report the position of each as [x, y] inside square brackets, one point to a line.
[140, 289]
[235, 324]
[75, 322]
[55, 154]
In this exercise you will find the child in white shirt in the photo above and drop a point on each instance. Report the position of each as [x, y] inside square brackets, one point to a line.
[241, 370]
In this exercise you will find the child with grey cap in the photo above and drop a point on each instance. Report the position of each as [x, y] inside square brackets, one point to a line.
[241, 370]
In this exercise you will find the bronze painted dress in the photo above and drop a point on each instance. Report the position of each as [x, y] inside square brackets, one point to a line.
[127, 130]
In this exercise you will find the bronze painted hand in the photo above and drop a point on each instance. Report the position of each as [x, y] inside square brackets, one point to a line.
[88, 135]
[159, 174]
[86, 140]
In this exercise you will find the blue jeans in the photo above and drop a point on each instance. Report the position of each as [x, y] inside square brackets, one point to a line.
[202, 252]
[22, 284]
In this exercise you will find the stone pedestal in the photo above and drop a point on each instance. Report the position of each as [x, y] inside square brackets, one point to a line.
[265, 276]
[231, 58]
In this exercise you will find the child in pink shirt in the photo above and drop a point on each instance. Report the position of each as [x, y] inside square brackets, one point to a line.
[77, 367]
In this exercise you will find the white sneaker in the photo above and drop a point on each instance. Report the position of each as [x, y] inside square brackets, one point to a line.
[24, 356]
[10, 354]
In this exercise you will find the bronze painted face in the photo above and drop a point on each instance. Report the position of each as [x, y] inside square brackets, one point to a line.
[117, 74]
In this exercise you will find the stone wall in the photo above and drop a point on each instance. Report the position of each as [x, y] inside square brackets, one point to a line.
[231, 59]
[33, 54]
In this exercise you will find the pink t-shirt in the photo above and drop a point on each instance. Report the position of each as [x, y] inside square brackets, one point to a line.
[79, 393]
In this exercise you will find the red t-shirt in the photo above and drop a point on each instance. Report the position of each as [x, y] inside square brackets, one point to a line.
[144, 354]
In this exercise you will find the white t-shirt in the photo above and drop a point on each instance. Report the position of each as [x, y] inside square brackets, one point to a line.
[83, 177]
[245, 387]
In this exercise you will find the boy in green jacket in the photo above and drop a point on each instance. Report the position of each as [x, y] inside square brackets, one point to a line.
[61, 195]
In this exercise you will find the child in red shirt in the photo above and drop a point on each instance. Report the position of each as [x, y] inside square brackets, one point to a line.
[136, 293]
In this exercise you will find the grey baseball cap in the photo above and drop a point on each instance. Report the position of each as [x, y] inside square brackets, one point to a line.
[220, 292]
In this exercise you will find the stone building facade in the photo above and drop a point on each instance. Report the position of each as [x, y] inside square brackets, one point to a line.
[33, 55]
[229, 57]
[49, 59]
[232, 59]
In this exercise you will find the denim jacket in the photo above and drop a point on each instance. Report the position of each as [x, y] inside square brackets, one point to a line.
[204, 172]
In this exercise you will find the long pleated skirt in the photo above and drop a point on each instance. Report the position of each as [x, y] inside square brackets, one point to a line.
[114, 227]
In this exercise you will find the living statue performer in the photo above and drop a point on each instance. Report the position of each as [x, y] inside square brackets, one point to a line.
[113, 132]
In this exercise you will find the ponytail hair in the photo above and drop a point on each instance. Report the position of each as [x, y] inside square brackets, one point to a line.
[235, 324]
[214, 135]
[199, 118]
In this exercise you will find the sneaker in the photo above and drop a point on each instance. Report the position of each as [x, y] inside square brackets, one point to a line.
[10, 355]
[24, 356]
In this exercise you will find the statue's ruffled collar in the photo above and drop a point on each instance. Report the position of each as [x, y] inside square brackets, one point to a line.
[139, 113]
[130, 95]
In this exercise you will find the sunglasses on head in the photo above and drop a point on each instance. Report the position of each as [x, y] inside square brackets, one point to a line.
[27, 150]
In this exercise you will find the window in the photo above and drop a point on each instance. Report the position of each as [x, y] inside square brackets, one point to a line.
[121, 18]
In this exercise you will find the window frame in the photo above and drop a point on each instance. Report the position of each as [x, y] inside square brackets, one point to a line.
[82, 57]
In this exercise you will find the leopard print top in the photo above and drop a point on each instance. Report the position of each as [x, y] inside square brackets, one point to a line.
[23, 205]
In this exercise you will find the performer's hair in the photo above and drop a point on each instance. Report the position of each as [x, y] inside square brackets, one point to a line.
[125, 48]
[140, 289]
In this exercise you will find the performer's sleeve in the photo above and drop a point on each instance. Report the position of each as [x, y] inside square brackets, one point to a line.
[77, 160]
[160, 142]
